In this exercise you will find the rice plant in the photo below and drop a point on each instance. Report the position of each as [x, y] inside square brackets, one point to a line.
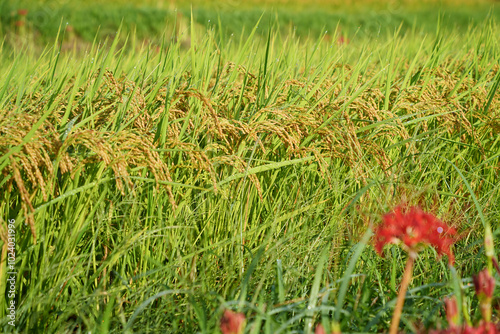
[154, 187]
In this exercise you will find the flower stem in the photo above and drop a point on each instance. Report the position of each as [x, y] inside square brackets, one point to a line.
[402, 292]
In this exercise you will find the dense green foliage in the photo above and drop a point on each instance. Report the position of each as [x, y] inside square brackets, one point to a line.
[166, 182]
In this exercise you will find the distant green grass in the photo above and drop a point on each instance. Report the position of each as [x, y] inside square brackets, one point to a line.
[169, 182]
[90, 19]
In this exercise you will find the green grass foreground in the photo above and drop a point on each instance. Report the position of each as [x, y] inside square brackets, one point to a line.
[153, 187]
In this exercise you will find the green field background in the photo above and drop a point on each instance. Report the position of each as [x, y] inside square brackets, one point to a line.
[156, 19]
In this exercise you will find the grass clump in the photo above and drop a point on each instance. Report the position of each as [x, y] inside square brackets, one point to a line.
[154, 187]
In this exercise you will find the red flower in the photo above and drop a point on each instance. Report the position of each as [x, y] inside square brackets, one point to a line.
[22, 12]
[483, 328]
[19, 23]
[343, 40]
[319, 329]
[232, 322]
[484, 284]
[414, 228]
[452, 312]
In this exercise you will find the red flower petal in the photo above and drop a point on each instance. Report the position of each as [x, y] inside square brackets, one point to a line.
[232, 322]
[414, 228]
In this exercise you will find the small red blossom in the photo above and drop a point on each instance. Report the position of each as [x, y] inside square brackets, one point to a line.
[452, 312]
[484, 284]
[343, 40]
[232, 322]
[415, 228]
[319, 329]
[22, 12]
[19, 23]
[482, 328]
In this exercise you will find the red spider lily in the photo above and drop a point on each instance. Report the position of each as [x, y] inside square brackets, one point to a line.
[343, 40]
[484, 284]
[483, 328]
[22, 12]
[232, 322]
[414, 229]
[452, 312]
[319, 329]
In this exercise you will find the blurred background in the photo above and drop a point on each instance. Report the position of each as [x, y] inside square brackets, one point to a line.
[39, 21]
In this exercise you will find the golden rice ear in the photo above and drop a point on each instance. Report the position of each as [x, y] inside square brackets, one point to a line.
[328, 130]
[26, 204]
